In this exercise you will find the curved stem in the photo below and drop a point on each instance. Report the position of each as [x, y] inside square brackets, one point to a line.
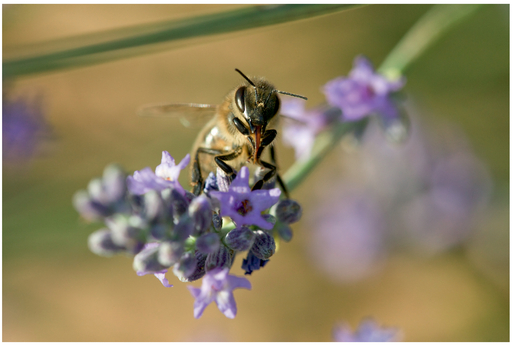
[425, 32]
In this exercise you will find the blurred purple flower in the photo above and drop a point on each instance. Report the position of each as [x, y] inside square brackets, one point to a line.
[301, 126]
[217, 286]
[23, 128]
[368, 331]
[243, 205]
[363, 92]
[104, 196]
[348, 241]
[165, 176]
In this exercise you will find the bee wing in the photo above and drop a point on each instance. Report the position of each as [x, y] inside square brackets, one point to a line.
[189, 114]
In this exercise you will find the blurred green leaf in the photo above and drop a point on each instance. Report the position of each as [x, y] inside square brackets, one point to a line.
[120, 43]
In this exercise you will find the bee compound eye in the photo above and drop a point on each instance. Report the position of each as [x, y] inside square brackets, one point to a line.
[240, 99]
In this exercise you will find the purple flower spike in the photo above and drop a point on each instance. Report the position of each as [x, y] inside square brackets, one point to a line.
[368, 331]
[217, 286]
[245, 206]
[363, 92]
[165, 176]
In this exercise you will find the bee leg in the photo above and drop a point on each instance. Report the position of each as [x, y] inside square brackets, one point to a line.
[279, 179]
[267, 139]
[227, 169]
[267, 177]
[196, 173]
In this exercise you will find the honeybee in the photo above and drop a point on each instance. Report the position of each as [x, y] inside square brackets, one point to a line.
[241, 128]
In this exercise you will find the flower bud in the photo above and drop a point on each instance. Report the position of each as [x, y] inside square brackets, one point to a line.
[185, 267]
[100, 242]
[217, 221]
[87, 208]
[114, 182]
[201, 213]
[183, 229]
[252, 263]
[124, 233]
[221, 258]
[178, 203]
[263, 245]
[210, 183]
[223, 180]
[284, 231]
[146, 260]
[288, 211]
[240, 239]
[154, 208]
[198, 271]
[208, 243]
[170, 253]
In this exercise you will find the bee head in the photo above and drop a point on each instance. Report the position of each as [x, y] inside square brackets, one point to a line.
[258, 101]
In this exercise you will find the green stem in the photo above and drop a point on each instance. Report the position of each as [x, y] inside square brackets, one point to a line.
[115, 44]
[427, 30]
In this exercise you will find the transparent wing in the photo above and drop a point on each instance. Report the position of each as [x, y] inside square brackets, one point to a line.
[189, 114]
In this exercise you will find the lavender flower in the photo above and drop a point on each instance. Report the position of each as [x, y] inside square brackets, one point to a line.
[165, 176]
[363, 92]
[252, 263]
[245, 206]
[23, 128]
[217, 286]
[368, 331]
[301, 126]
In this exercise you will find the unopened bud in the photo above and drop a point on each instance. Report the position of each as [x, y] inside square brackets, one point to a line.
[185, 267]
[146, 260]
[200, 211]
[223, 180]
[199, 269]
[284, 231]
[240, 239]
[100, 242]
[178, 203]
[183, 229]
[124, 233]
[263, 245]
[217, 221]
[221, 258]
[208, 243]
[288, 211]
[170, 253]
[153, 206]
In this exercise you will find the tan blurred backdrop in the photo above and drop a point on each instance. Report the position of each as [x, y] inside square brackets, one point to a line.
[54, 289]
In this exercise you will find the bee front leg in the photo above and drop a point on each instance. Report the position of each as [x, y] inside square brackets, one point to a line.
[279, 179]
[221, 162]
[196, 172]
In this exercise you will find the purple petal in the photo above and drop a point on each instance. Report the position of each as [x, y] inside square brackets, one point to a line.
[238, 282]
[241, 182]
[226, 304]
[161, 276]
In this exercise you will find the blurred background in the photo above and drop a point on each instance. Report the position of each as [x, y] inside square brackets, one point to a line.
[414, 235]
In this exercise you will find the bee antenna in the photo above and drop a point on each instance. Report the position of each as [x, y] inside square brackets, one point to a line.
[291, 94]
[247, 79]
